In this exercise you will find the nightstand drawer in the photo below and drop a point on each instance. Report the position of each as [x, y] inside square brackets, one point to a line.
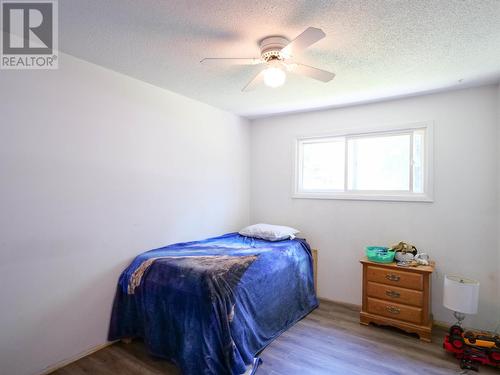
[395, 277]
[395, 294]
[395, 310]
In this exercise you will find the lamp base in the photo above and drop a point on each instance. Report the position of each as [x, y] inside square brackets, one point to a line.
[459, 317]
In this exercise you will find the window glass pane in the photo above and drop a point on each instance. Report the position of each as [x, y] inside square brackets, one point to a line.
[323, 165]
[379, 162]
[418, 161]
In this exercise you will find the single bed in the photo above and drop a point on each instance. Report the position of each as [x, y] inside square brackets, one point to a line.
[211, 306]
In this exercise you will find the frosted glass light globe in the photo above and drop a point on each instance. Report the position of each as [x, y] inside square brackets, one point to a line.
[274, 77]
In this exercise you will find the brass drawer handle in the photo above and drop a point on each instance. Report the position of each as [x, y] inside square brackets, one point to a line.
[392, 293]
[392, 277]
[393, 310]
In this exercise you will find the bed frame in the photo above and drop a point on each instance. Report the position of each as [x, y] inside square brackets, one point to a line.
[315, 268]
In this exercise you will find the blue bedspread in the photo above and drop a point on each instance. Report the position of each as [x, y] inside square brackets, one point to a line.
[210, 306]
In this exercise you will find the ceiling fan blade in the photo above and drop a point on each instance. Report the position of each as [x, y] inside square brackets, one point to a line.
[311, 72]
[231, 61]
[254, 82]
[310, 36]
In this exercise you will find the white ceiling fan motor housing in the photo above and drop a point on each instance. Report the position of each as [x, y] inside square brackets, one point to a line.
[270, 47]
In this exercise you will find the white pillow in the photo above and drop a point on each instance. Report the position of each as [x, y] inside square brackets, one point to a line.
[269, 232]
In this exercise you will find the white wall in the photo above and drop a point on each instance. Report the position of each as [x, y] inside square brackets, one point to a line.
[498, 161]
[459, 229]
[96, 167]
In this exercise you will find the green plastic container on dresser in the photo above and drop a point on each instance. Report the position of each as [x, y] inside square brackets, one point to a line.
[379, 254]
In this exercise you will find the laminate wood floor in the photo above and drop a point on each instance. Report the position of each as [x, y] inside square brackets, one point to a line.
[330, 340]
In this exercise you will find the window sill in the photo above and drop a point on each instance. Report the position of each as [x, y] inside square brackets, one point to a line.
[366, 197]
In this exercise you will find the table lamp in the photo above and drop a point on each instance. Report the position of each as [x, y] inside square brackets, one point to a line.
[460, 295]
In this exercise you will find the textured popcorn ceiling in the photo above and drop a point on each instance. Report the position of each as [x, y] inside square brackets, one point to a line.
[378, 49]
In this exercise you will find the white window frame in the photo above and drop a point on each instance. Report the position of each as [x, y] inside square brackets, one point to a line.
[404, 196]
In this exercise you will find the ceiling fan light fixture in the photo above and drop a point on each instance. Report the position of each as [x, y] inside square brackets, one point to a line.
[276, 60]
[274, 77]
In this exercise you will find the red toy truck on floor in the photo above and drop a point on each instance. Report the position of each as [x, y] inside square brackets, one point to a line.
[473, 349]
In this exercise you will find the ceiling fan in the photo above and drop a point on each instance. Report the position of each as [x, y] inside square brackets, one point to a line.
[277, 58]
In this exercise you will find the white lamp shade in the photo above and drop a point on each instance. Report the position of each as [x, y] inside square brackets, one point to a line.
[461, 294]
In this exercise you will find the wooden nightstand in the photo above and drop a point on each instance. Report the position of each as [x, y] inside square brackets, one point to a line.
[398, 297]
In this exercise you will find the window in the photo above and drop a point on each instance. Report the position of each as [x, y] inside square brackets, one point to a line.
[385, 164]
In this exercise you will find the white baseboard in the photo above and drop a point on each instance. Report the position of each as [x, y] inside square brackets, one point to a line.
[51, 368]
